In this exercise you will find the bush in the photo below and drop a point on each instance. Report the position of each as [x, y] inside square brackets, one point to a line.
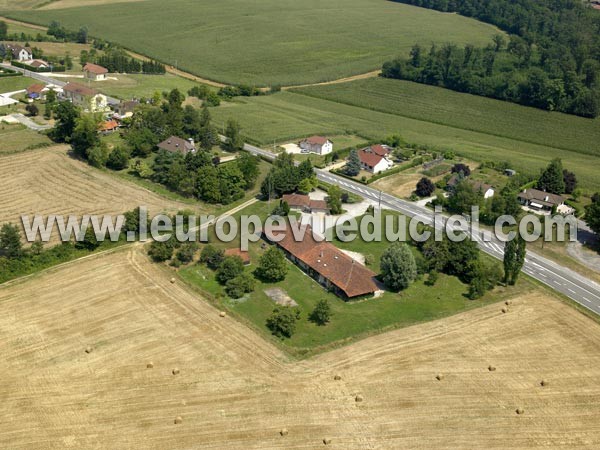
[322, 313]
[282, 321]
[231, 267]
[425, 187]
[118, 159]
[432, 278]
[212, 256]
[161, 251]
[398, 267]
[186, 252]
[272, 266]
[240, 285]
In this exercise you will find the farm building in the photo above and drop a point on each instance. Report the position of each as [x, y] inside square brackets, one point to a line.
[316, 144]
[373, 162]
[324, 262]
[304, 203]
[90, 100]
[108, 126]
[176, 144]
[95, 72]
[35, 91]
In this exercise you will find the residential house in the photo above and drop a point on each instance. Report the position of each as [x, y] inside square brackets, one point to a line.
[485, 189]
[88, 99]
[543, 202]
[18, 52]
[379, 149]
[316, 144]
[38, 64]
[108, 126]
[95, 72]
[35, 91]
[324, 262]
[176, 144]
[243, 255]
[373, 162]
[126, 109]
[304, 203]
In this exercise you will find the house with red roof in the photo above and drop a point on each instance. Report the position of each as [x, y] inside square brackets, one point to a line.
[375, 159]
[304, 203]
[324, 262]
[95, 72]
[316, 144]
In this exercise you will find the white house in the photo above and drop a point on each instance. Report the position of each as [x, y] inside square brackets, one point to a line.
[95, 72]
[486, 190]
[18, 52]
[86, 98]
[374, 163]
[316, 144]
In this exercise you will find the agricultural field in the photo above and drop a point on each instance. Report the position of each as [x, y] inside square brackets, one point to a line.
[271, 42]
[48, 181]
[413, 115]
[17, 138]
[236, 390]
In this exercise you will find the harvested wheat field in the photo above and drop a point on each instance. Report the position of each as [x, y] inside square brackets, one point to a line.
[141, 362]
[48, 181]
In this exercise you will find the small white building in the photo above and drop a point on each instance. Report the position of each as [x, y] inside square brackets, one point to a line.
[95, 72]
[486, 190]
[374, 163]
[316, 144]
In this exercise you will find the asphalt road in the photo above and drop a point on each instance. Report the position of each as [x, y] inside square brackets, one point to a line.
[577, 287]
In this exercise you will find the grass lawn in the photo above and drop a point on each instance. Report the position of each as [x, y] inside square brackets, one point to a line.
[272, 41]
[11, 84]
[350, 320]
[494, 131]
[17, 138]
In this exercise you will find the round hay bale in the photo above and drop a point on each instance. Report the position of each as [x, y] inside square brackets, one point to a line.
[88, 349]
[178, 420]
[439, 377]
[326, 441]
[175, 371]
[172, 280]
[520, 411]
[359, 398]
[507, 302]
[491, 368]
[543, 383]
[222, 314]
[150, 365]
[283, 432]
[337, 378]
[504, 310]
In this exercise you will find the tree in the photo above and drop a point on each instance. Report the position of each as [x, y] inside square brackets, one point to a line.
[322, 313]
[514, 258]
[234, 141]
[66, 115]
[186, 252]
[89, 242]
[98, 155]
[306, 185]
[212, 256]
[50, 104]
[118, 159]
[10, 241]
[3, 30]
[352, 164]
[463, 198]
[240, 285]
[32, 109]
[461, 168]
[570, 180]
[425, 187]
[592, 214]
[282, 321]
[82, 36]
[334, 200]
[398, 267]
[231, 267]
[161, 251]
[249, 166]
[551, 179]
[85, 135]
[272, 266]
[499, 42]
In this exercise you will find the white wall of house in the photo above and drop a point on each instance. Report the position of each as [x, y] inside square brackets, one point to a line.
[381, 166]
[24, 55]
[488, 194]
[317, 148]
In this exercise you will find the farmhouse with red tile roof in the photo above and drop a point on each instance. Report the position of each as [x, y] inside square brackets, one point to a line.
[372, 161]
[95, 72]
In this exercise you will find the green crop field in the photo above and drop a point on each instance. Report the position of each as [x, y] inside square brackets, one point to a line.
[478, 128]
[268, 42]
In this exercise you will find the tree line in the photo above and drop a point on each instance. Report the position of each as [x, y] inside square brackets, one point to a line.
[116, 60]
[552, 59]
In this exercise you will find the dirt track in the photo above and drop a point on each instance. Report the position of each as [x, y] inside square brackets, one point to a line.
[236, 390]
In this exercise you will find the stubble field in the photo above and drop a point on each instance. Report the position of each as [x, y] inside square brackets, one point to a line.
[235, 390]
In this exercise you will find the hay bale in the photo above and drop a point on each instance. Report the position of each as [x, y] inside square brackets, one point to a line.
[359, 398]
[326, 441]
[504, 310]
[175, 371]
[283, 432]
[520, 411]
[150, 365]
[543, 383]
[491, 368]
[172, 280]
[439, 377]
[178, 420]
[507, 302]
[88, 349]
[337, 378]
[222, 314]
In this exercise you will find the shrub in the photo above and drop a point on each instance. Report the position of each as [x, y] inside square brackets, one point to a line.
[322, 313]
[231, 267]
[272, 266]
[212, 256]
[282, 321]
[240, 285]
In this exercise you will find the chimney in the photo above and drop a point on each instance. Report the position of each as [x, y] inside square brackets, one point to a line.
[321, 254]
[546, 198]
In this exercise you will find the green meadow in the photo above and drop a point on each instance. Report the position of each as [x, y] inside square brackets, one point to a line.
[268, 42]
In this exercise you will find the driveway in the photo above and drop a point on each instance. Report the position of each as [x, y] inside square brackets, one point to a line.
[29, 123]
